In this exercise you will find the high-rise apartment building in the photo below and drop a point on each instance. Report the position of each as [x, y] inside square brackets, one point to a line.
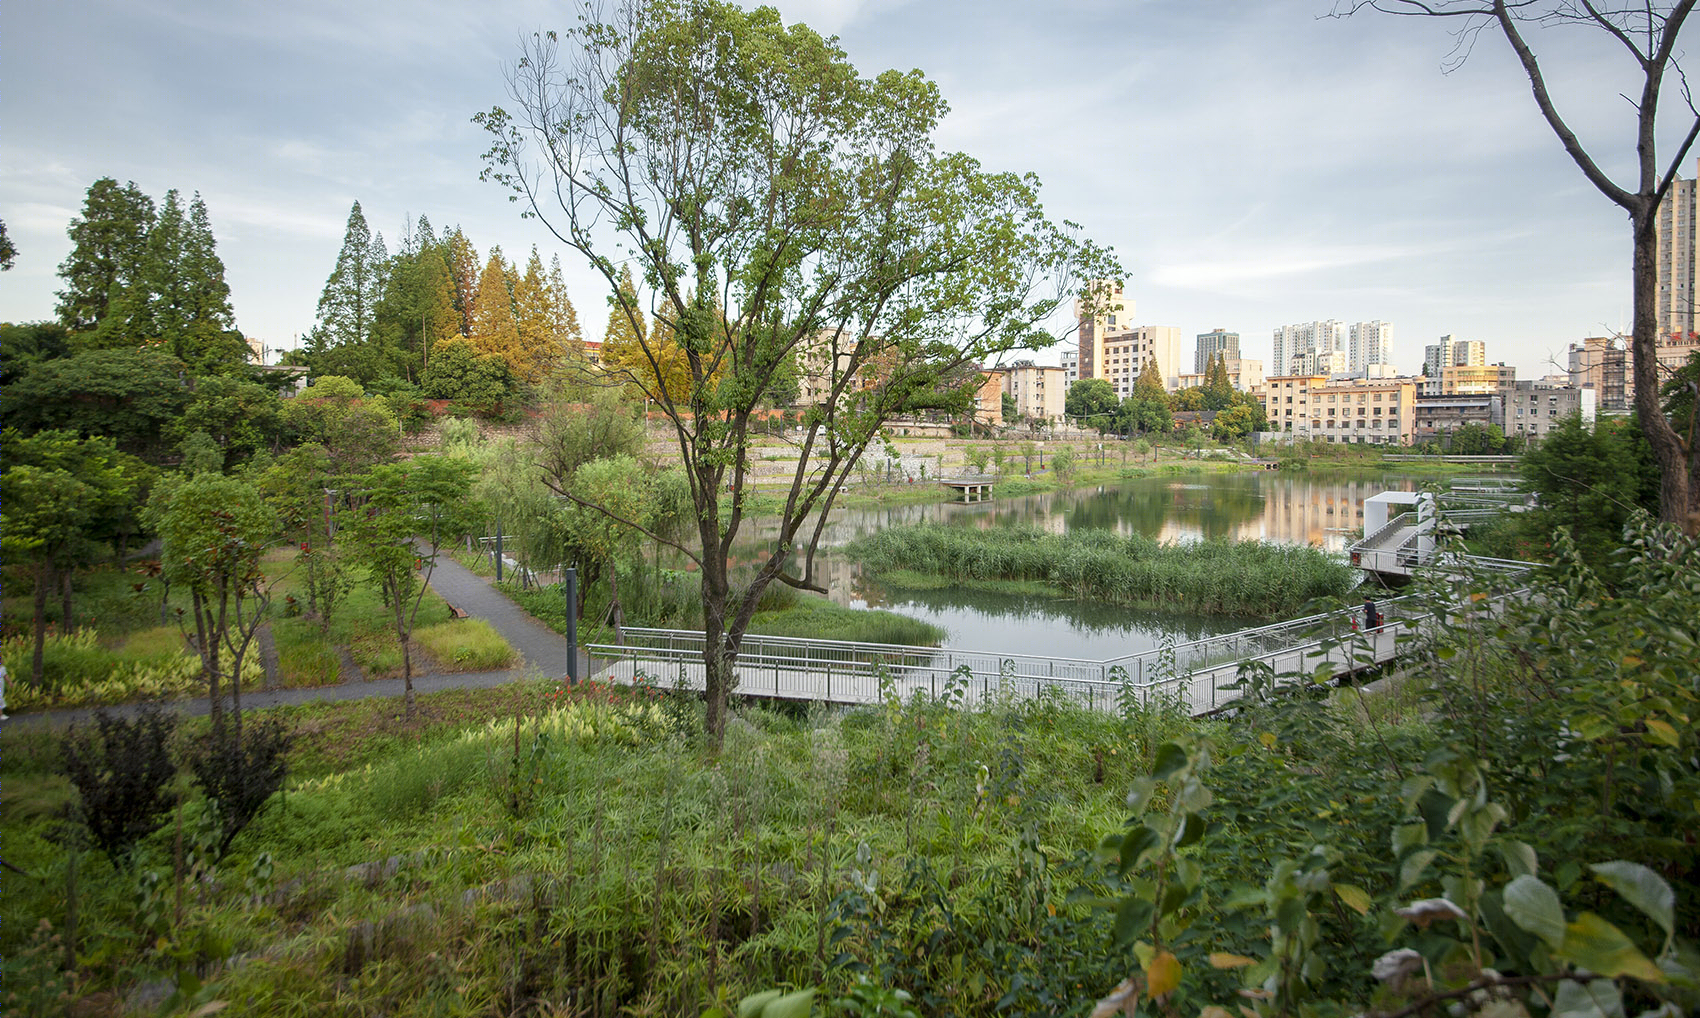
[1314, 338]
[1114, 349]
[1675, 226]
[1215, 342]
[1451, 352]
[1370, 348]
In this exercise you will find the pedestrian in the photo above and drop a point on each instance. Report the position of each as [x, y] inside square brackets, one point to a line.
[3, 714]
[1372, 618]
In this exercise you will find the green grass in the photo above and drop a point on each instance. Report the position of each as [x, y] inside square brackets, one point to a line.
[820, 619]
[1206, 577]
[466, 645]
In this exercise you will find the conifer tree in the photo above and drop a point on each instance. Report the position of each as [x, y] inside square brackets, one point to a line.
[494, 331]
[563, 318]
[622, 340]
[107, 247]
[538, 351]
[462, 259]
[348, 305]
[1218, 387]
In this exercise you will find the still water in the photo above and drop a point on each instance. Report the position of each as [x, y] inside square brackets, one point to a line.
[1264, 505]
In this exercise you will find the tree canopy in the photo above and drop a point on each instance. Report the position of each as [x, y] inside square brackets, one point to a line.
[765, 193]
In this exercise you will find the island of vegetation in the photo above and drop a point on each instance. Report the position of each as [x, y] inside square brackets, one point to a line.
[1212, 577]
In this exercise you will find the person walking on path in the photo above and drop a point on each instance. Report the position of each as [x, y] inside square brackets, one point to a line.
[1372, 618]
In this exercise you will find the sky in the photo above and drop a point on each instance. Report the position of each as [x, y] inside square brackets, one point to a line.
[1253, 164]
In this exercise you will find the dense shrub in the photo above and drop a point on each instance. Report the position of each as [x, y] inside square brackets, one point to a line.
[238, 767]
[122, 777]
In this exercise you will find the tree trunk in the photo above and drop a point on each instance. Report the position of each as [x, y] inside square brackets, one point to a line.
[43, 576]
[619, 611]
[406, 658]
[1678, 490]
[718, 665]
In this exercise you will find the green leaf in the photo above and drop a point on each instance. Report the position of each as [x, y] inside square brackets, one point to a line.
[1132, 918]
[1642, 888]
[1519, 858]
[1356, 898]
[1409, 836]
[752, 1005]
[1170, 759]
[1534, 907]
[1192, 829]
[792, 1005]
[1134, 844]
[1597, 999]
[1600, 947]
[1415, 864]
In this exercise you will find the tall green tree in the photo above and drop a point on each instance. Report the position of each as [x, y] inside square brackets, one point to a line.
[462, 259]
[107, 245]
[563, 317]
[683, 118]
[538, 349]
[428, 498]
[349, 303]
[180, 302]
[8, 250]
[1218, 387]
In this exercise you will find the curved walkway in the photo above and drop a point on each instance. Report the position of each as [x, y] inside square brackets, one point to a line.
[542, 651]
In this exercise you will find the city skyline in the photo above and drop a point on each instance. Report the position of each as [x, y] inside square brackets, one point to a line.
[1252, 167]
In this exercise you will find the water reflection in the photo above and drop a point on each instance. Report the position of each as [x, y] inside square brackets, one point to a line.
[1310, 509]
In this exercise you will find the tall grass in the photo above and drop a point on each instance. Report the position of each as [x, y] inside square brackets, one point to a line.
[1211, 577]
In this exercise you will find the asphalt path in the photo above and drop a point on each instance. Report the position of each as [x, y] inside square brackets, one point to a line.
[543, 652]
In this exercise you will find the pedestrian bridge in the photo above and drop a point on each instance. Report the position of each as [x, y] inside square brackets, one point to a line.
[1196, 676]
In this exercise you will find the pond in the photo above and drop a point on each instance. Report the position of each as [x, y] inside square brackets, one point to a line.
[1299, 508]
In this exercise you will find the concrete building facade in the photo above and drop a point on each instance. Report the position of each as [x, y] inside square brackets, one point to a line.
[1317, 338]
[1351, 410]
[1038, 390]
[1532, 409]
[1216, 342]
[1602, 363]
[1453, 352]
[1369, 349]
[1675, 259]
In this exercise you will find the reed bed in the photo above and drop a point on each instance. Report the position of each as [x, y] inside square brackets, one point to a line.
[1210, 577]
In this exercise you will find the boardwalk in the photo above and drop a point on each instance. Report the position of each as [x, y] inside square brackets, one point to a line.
[1197, 675]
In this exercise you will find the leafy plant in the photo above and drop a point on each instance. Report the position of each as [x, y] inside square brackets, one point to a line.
[239, 767]
[122, 777]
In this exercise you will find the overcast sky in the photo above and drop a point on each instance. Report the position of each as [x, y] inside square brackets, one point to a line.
[1253, 163]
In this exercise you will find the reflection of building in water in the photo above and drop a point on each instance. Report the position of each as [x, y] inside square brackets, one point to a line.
[1327, 516]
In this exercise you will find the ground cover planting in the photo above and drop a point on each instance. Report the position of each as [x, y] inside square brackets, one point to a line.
[541, 849]
[1225, 577]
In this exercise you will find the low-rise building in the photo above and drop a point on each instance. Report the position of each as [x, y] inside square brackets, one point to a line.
[1350, 410]
[1532, 410]
[1470, 380]
[1039, 390]
[1439, 416]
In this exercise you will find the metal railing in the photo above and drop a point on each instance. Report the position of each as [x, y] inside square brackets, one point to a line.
[1193, 673]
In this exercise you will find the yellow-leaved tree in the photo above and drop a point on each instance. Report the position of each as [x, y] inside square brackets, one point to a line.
[494, 331]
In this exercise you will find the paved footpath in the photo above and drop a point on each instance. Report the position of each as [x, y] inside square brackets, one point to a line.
[544, 652]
